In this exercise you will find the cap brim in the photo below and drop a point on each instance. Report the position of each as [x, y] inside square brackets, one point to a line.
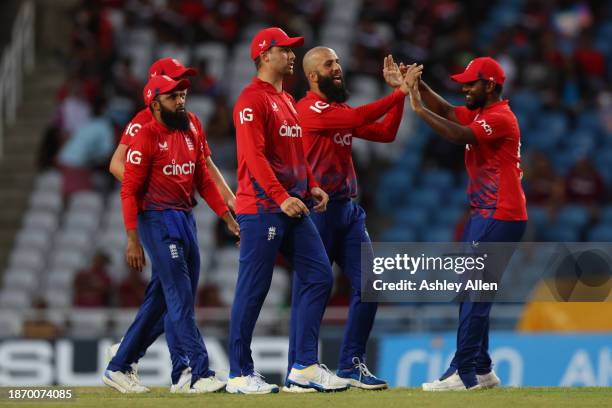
[291, 42]
[179, 86]
[464, 77]
[189, 72]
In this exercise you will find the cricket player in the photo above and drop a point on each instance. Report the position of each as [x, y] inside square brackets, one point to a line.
[181, 373]
[490, 132]
[274, 179]
[164, 165]
[329, 126]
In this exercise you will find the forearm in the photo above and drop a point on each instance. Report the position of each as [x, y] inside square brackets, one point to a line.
[117, 163]
[215, 174]
[435, 102]
[449, 130]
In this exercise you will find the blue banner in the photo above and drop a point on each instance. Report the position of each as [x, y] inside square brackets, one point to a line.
[519, 359]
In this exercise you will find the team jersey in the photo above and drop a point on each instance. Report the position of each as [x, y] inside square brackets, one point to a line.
[493, 165]
[161, 170]
[329, 129]
[145, 116]
[271, 162]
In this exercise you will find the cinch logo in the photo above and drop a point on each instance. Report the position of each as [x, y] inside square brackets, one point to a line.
[343, 140]
[290, 131]
[488, 130]
[246, 115]
[134, 156]
[179, 169]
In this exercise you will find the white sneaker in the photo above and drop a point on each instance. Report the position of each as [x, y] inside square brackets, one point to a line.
[250, 384]
[184, 382]
[111, 352]
[297, 390]
[451, 383]
[318, 377]
[208, 384]
[490, 380]
[123, 382]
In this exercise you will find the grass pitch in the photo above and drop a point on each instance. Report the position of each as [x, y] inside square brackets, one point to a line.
[99, 397]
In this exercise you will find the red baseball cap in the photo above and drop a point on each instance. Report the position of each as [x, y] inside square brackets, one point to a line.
[162, 84]
[272, 37]
[171, 67]
[481, 68]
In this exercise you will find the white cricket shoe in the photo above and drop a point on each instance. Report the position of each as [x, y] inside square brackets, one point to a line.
[123, 382]
[297, 390]
[184, 382]
[318, 377]
[250, 384]
[111, 352]
[451, 383]
[490, 380]
[207, 384]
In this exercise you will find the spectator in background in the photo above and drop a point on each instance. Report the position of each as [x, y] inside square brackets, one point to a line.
[220, 134]
[125, 82]
[38, 326]
[74, 108]
[91, 146]
[92, 287]
[51, 143]
[209, 296]
[132, 289]
[583, 184]
[204, 84]
[543, 185]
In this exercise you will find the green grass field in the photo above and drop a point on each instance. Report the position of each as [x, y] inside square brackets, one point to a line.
[98, 397]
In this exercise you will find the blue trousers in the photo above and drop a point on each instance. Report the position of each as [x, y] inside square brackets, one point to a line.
[343, 230]
[170, 239]
[472, 355]
[262, 237]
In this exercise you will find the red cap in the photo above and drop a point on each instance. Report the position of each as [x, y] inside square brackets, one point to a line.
[272, 37]
[171, 67]
[481, 68]
[162, 84]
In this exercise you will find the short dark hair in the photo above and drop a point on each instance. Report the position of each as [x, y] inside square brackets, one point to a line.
[257, 62]
[499, 88]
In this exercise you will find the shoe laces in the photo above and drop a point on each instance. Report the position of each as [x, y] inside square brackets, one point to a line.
[257, 379]
[325, 374]
[132, 375]
[363, 369]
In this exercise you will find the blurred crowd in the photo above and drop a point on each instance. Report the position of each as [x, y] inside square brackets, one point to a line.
[557, 56]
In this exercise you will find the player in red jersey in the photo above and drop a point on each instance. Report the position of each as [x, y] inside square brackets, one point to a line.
[175, 70]
[329, 126]
[181, 374]
[274, 180]
[164, 165]
[490, 132]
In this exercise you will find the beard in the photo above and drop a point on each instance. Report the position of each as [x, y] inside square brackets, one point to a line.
[175, 120]
[477, 102]
[333, 92]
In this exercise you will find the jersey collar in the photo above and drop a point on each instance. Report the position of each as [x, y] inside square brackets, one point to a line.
[268, 87]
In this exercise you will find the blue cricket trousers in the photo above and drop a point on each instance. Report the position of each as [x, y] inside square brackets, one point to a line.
[170, 239]
[472, 355]
[262, 237]
[343, 230]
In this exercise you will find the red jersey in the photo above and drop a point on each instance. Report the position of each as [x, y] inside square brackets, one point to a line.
[271, 162]
[145, 116]
[493, 165]
[329, 129]
[162, 168]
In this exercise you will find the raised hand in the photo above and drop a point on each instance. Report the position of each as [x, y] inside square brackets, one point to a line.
[391, 72]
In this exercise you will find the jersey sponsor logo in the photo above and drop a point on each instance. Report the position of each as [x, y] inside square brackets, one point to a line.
[343, 140]
[176, 169]
[319, 106]
[134, 156]
[132, 129]
[246, 115]
[290, 131]
[487, 128]
[163, 146]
